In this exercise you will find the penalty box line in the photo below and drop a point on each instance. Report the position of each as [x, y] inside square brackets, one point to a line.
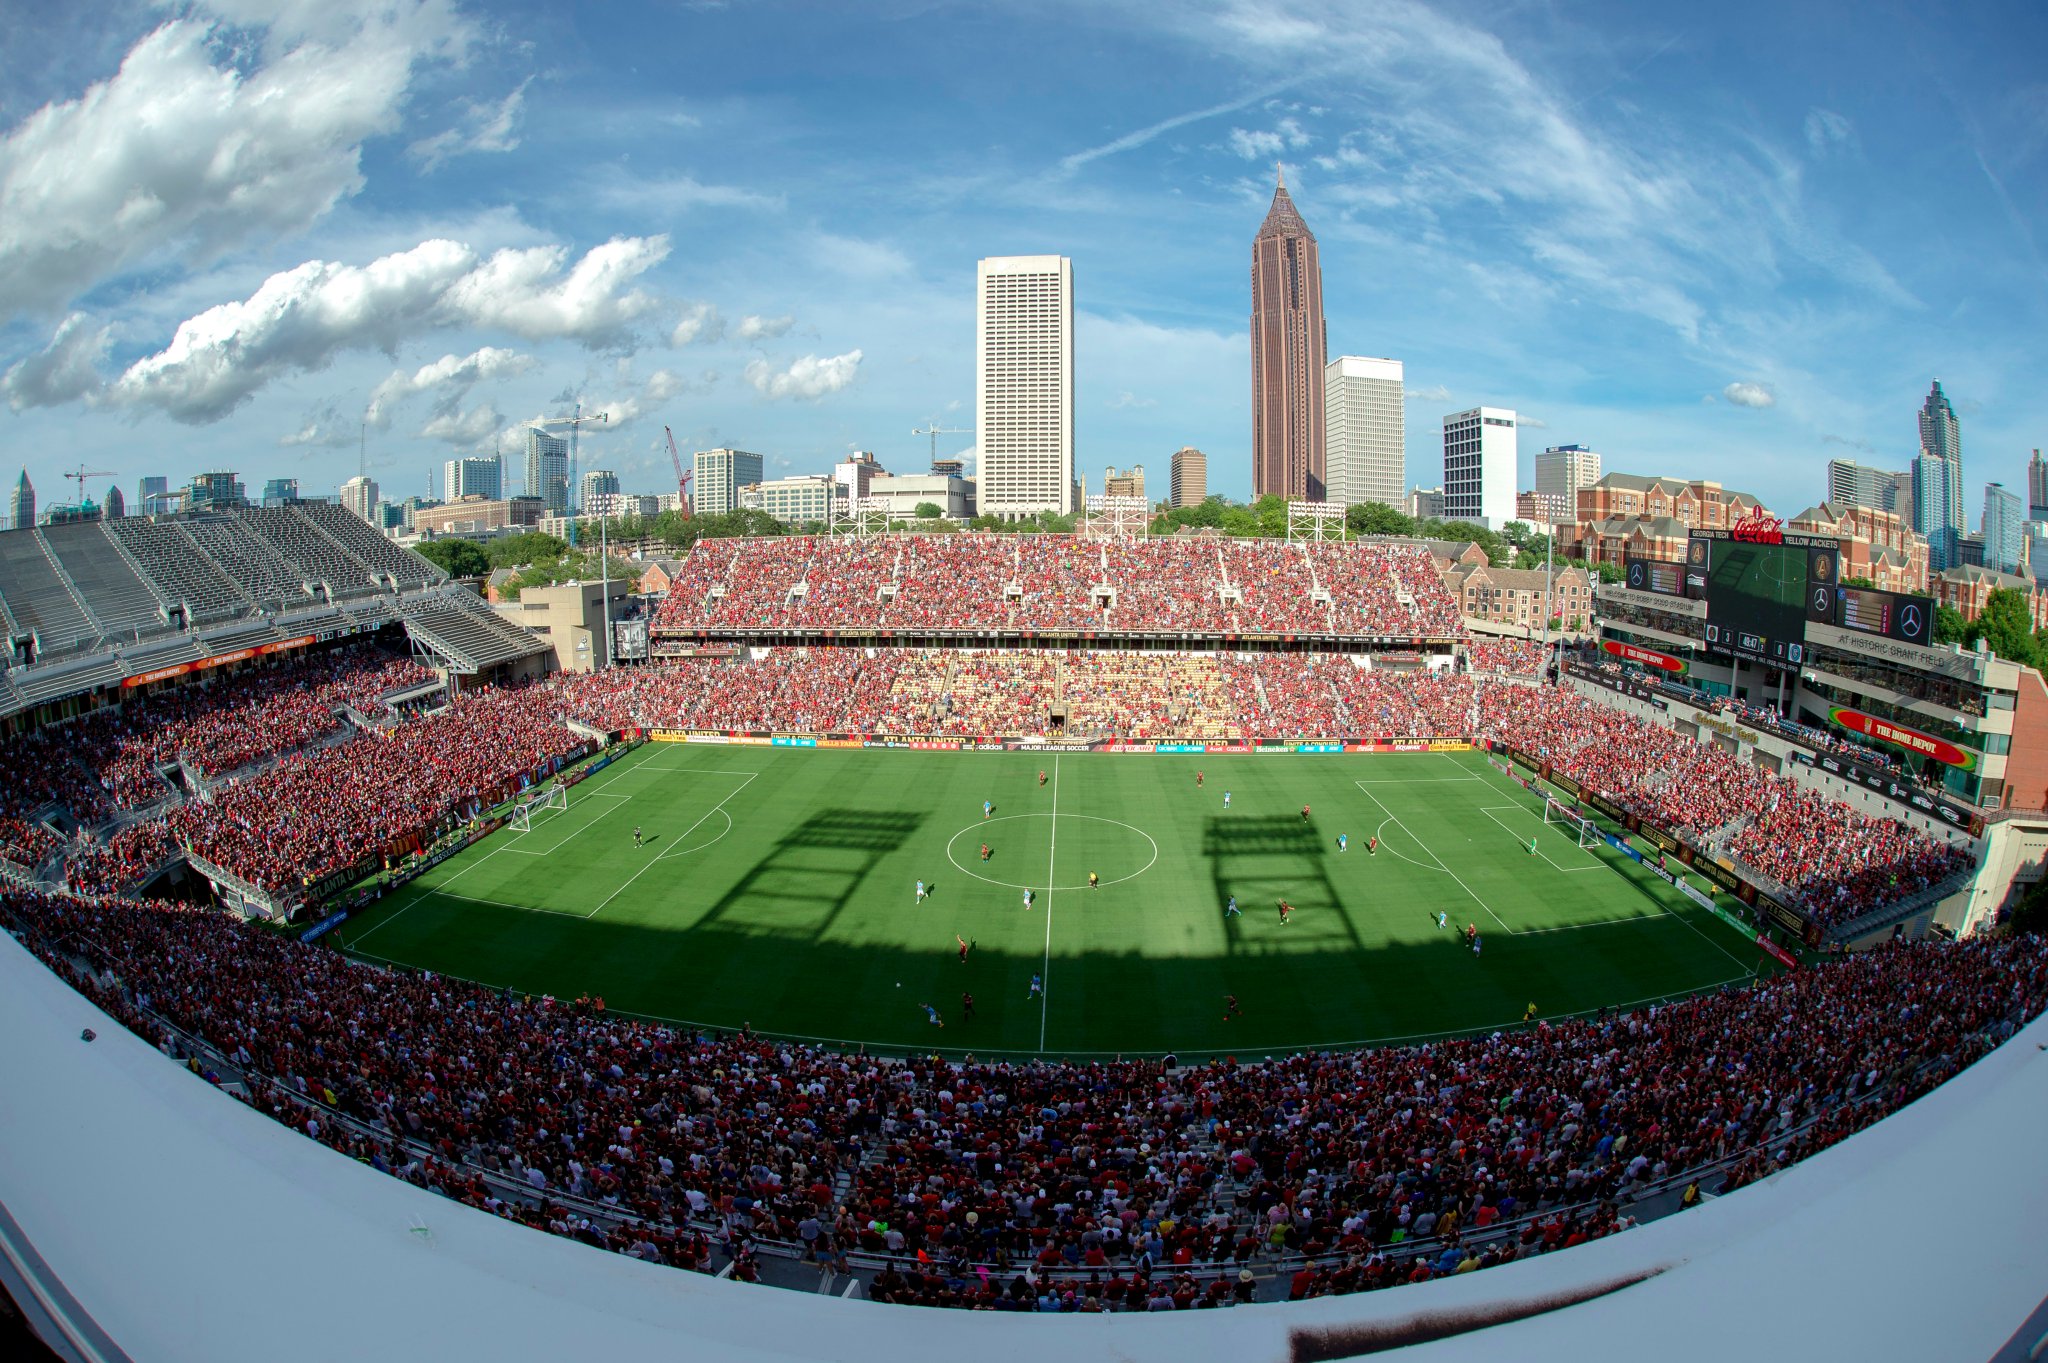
[1435, 858]
[680, 839]
[1493, 812]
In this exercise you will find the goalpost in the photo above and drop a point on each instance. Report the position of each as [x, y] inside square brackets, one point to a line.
[554, 797]
[1557, 812]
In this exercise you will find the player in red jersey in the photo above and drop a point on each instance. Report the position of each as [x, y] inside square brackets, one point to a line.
[1304, 813]
[1285, 909]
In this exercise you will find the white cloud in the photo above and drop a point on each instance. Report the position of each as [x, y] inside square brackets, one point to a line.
[300, 319]
[1127, 398]
[700, 322]
[63, 371]
[325, 427]
[182, 153]
[1262, 145]
[1826, 130]
[1533, 423]
[472, 427]
[455, 373]
[807, 379]
[484, 128]
[1750, 395]
[628, 191]
[1434, 392]
[762, 328]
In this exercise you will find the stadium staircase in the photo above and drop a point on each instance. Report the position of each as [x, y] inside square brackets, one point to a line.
[1899, 911]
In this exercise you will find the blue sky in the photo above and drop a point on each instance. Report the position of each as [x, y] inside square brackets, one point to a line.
[1728, 241]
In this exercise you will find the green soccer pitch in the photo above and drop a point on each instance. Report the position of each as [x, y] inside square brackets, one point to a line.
[777, 888]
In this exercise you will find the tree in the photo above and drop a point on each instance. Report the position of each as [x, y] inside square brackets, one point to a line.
[1862, 582]
[511, 551]
[930, 511]
[1949, 625]
[1377, 518]
[2005, 626]
[457, 558]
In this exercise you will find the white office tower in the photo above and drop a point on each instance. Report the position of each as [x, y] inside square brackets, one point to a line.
[1479, 466]
[597, 483]
[1364, 428]
[473, 475]
[720, 475]
[1561, 471]
[1024, 384]
[359, 495]
[547, 470]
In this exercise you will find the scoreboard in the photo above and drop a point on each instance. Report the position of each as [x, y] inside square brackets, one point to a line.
[1762, 587]
[1895, 615]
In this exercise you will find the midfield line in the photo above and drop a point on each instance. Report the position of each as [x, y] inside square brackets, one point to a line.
[1045, 970]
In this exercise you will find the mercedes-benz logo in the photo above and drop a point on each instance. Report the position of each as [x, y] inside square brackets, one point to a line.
[1909, 620]
[1820, 598]
[1635, 574]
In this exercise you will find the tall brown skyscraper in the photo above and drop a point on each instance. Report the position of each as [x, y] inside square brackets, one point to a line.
[1289, 345]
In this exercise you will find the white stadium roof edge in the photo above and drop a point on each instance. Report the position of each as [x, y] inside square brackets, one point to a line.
[153, 1217]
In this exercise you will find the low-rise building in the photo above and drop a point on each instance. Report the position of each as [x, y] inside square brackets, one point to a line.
[1876, 545]
[902, 494]
[1515, 596]
[1967, 587]
[801, 500]
[571, 617]
[1543, 508]
[479, 516]
[1616, 539]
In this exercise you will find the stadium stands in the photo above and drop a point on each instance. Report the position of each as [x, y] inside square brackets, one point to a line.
[1035, 583]
[1118, 1186]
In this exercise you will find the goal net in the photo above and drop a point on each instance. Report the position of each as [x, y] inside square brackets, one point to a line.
[554, 797]
[1572, 823]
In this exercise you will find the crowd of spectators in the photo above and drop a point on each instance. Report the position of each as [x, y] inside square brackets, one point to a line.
[329, 808]
[1059, 582]
[1510, 657]
[1044, 1185]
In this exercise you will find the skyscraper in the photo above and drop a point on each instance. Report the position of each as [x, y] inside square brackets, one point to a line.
[2037, 488]
[219, 490]
[1024, 385]
[473, 475]
[116, 505]
[597, 483]
[24, 509]
[1289, 343]
[2005, 529]
[720, 475]
[1561, 471]
[1938, 510]
[359, 494]
[278, 491]
[1190, 476]
[1364, 429]
[1854, 484]
[1479, 466]
[547, 470]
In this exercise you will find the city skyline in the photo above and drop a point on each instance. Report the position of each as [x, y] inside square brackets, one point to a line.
[1705, 244]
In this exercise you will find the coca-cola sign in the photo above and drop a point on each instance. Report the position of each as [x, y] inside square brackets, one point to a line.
[1758, 527]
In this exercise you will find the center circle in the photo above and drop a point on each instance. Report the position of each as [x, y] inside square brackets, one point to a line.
[1149, 850]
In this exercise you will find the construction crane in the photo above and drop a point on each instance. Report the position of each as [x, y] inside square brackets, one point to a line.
[81, 473]
[935, 430]
[682, 477]
[575, 422]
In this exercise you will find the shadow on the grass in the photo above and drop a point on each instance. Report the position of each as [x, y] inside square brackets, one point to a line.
[1263, 859]
[807, 877]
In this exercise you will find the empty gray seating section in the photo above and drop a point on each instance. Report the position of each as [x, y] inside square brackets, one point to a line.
[314, 553]
[45, 684]
[163, 651]
[468, 632]
[178, 571]
[228, 638]
[369, 544]
[262, 572]
[370, 614]
[124, 606]
[38, 598]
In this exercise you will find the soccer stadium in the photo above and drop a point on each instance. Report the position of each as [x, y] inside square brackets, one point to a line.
[1036, 924]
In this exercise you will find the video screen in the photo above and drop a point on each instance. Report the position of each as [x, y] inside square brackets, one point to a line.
[1756, 599]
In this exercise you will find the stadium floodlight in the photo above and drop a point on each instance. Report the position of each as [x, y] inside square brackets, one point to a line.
[870, 515]
[1313, 520]
[1116, 517]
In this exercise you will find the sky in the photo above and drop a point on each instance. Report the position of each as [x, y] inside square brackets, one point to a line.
[1727, 241]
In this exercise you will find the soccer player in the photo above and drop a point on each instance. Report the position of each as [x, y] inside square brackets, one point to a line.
[636, 835]
[1198, 780]
[921, 892]
[987, 808]
[1230, 909]
[1532, 845]
[1475, 944]
[1343, 842]
[965, 947]
[1372, 845]
[1442, 919]
[966, 1006]
[1094, 881]
[1028, 897]
[1037, 988]
[1230, 1008]
[1226, 799]
[931, 1015]
[1304, 813]
[984, 851]
[1529, 1013]
[1285, 909]
[1041, 776]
